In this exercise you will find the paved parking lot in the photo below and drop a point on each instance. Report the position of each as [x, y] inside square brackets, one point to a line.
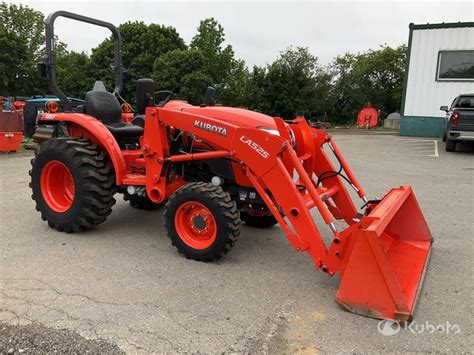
[123, 282]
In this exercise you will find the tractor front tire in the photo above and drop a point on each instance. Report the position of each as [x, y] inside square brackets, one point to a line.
[73, 184]
[257, 221]
[202, 221]
[141, 202]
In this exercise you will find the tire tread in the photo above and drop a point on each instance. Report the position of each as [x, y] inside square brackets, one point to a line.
[225, 203]
[97, 190]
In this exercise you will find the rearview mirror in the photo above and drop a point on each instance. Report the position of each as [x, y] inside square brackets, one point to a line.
[42, 70]
[444, 108]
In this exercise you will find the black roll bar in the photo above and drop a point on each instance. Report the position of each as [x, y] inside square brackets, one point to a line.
[49, 60]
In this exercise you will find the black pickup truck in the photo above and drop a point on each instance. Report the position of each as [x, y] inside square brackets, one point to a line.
[459, 123]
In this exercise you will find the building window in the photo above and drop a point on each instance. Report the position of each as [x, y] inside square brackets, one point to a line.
[456, 65]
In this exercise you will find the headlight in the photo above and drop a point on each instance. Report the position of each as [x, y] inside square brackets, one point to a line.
[276, 133]
[270, 130]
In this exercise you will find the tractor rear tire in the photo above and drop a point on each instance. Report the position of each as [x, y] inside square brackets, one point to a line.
[262, 222]
[73, 184]
[450, 145]
[141, 202]
[202, 221]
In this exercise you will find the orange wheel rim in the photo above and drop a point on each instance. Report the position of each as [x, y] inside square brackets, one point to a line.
[195, 225]
[57, 186]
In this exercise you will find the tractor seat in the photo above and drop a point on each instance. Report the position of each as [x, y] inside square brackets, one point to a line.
[121, 129]
[105, 107]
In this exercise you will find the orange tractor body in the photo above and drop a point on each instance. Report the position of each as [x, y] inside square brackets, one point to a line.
[214, 166]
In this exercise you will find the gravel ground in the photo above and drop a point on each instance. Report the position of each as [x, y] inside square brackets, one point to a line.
[123, 283]
[36, 338]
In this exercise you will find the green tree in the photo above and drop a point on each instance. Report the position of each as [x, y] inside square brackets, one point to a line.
[376, 76]
[72, 73]
[235, 91]
[294, 84]
[219, 60]
[22, 39]
[207, 62]
[255, 88]
[183, 72]
[142, 45]
[26, 22]
[13, 68]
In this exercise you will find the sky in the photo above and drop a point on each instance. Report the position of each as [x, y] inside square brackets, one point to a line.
[259, 30]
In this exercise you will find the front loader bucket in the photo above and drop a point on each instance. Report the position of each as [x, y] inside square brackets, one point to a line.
[385, 259]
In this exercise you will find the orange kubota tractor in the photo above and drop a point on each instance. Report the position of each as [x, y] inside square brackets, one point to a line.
[213, 167]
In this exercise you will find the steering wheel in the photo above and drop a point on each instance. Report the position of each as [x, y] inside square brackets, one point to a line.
[169, 96]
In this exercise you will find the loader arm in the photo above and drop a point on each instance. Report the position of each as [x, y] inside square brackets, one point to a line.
[383, 253]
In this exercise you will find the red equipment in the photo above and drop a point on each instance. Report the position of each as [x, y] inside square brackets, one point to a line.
[212, 165]
[368, 117]
[16, 105]
[11, 131]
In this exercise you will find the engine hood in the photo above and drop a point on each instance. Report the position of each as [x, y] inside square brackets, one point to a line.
[237, 116]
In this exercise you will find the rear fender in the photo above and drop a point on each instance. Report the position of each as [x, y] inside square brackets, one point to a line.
[85, 126]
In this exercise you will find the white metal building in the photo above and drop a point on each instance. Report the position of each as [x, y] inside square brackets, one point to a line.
[440, 66]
